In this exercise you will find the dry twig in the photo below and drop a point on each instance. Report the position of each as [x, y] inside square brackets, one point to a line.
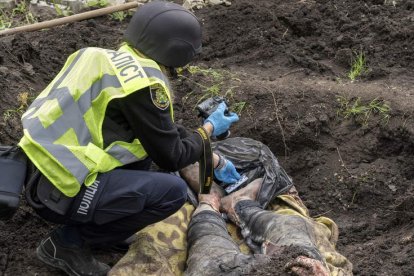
[343, 164]
[278, 122]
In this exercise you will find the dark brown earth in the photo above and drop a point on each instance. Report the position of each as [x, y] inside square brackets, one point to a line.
[287, 63]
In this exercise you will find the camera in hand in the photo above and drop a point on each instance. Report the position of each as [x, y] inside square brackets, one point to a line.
[207, 107]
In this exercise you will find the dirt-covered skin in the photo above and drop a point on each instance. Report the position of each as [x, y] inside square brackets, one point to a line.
[288, 61]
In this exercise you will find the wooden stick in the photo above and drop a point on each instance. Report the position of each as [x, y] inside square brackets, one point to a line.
[70, 19]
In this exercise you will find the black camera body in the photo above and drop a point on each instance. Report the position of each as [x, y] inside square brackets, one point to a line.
[208, 106]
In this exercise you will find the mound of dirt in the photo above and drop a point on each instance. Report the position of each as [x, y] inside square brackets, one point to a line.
[284, 65]
[317, 35]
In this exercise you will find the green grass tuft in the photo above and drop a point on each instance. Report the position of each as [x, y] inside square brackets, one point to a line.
[358, 66]
[362, 112]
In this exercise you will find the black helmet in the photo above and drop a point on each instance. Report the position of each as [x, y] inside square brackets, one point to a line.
[165, 32]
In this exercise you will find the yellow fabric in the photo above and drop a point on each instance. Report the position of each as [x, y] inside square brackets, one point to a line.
[48, 113]
[325, 229]
[65, 162]
[154, 254]
[160, 249]
[153, 82]
[43, 159]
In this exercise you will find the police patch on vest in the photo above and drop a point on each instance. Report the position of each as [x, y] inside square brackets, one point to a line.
[159, 97]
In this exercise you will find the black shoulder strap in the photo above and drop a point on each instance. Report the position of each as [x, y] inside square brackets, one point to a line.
[6, 150]
[205, 163]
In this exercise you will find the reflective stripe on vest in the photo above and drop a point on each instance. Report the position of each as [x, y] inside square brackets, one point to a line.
[62, 127]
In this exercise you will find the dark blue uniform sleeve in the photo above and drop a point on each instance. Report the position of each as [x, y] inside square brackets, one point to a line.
[169, 145]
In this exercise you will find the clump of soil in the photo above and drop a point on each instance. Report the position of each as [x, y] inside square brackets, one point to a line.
[276, 264]
[286, 64]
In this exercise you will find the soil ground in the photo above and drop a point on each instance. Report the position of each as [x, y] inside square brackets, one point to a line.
[286, 64]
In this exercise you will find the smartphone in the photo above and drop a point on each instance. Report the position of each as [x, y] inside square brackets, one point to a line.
[235, 186]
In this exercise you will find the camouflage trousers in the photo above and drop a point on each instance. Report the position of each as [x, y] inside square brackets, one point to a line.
[161, 248]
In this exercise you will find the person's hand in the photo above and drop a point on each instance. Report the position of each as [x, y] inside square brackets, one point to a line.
[226, 172]
[305, 266]
[221, 122]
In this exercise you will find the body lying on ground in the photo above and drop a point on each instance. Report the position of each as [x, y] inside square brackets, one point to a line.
[212, 251]
[210, 246]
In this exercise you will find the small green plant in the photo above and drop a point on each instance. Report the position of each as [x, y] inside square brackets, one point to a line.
[119, 16]
[216, 75]
[358, 66]
[98, 3]
[214, 90]
[211, 87]
[361, 112]
[210, 82]
[21, 8]
[30, 19]
[211, 91]
[62, 11]
[348, 109]
[238, 107]
[23, 99]
[5, 21]
[17, 16]
[377, 106]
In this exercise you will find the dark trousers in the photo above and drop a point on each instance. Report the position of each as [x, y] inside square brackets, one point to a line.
[120, 203]
[213, 252]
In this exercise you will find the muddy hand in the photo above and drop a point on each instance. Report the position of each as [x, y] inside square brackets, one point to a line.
[304, 266]
[191, 175]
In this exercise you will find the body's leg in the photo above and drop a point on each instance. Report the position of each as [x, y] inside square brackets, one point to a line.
[273, 234]
[211, 249]
[276, 232]
[325, 231]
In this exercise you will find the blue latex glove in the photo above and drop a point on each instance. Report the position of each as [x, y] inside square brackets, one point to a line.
[227, 173]
[221, 123]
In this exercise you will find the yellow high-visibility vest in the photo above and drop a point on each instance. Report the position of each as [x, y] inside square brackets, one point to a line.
[63, 126]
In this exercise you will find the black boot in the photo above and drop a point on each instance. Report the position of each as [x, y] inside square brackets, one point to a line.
[73, 259]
